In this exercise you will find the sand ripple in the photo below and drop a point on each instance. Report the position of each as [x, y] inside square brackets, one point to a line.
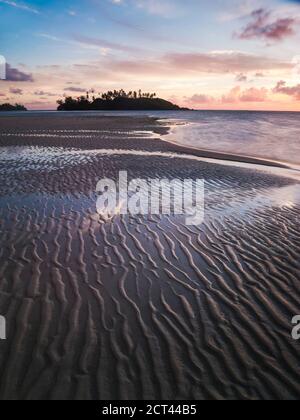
[145, 307]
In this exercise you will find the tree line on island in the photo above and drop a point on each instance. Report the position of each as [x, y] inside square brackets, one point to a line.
[117, 100]
[9, 107]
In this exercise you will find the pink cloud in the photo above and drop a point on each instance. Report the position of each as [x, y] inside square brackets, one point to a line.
[235, 96]
[262, 26]
[16, 91]
[199, 99]
[254, 95]
[15, 75]
[288, 90]
[248, 95]
[232, 96]
[223, 62]
[174, 64]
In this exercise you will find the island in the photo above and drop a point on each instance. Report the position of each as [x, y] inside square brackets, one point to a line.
[117, 100]
[9, 107]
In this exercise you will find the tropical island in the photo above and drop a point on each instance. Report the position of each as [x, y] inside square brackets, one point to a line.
[117, 100]
[9, 107]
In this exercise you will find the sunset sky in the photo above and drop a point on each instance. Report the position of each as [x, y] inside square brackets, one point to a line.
[220, 54]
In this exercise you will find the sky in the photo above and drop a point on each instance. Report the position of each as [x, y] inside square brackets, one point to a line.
[202, 54]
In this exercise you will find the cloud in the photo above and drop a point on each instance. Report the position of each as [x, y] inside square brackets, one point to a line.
[225, 62]
[241, 77]
[86, 42]
[199, 99]
[16, 91]
[21, 6]
[145, 32]
[163, 8]
[259, 74]
[178, 64]
[44, 93]
[102, 43]
[288, 90]
[232, 96]
[15, 75]
[50, 37]
[254, 95]
[75, 89]
[261, 26]
[236, 95]
[236, 10]
[39, 105]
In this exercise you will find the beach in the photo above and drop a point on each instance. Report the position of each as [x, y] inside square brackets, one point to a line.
[143, 307]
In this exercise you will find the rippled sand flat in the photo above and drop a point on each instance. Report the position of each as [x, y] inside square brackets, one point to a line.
[142, 307]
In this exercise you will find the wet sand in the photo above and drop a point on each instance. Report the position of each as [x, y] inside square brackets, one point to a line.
[83, 132]
[141, 307]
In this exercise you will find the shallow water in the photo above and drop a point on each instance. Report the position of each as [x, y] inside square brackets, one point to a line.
[272, 136]
[267, 135]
